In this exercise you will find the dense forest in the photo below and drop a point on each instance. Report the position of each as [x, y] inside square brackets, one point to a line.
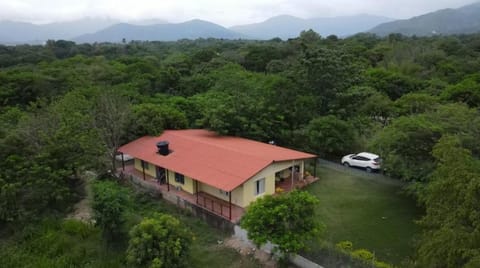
[65, 109]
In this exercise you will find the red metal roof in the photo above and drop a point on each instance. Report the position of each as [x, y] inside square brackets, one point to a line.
[223, 162]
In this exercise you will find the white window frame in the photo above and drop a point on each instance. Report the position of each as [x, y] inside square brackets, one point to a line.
[259, 187]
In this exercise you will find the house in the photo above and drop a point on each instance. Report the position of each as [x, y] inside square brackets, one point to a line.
[228, 171]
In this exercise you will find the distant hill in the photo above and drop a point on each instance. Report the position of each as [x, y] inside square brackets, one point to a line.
[21, 32]
[147, 22]
[286, 26]
[463, 20]
[160, 32]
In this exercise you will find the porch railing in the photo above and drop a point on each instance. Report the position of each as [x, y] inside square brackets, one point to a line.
[215, 206]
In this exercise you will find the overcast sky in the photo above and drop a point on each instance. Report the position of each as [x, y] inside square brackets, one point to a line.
[224, 12]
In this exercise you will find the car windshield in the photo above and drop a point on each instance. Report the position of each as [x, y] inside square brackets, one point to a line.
[378, 160]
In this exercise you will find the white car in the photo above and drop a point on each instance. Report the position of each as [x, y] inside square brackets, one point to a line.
[368, 161]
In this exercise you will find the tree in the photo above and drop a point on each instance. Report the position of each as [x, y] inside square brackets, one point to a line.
[378, 107]
[112, 113]
[347, 104]
[159, 241]
[406, 145]
[239, 104]
[329, 135]
[109, 204]
[57, 144]
[452, 222]
[467, 91]
[287, 220]
[394, 84]
[258, 57]
[152, 119]
[415, 103]
[326, 72]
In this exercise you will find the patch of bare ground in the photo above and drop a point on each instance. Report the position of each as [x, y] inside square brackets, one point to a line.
[82, 210]
[246, 249]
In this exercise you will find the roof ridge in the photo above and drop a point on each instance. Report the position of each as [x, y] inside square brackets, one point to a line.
[217, 145]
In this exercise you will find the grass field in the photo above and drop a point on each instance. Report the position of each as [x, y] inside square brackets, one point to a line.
[366, 209]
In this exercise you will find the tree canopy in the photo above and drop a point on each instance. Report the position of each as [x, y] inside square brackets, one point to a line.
[159, 241]
[286, 220]
[66, 107]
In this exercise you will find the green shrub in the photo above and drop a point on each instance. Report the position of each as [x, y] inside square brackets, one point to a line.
[109, 204]
[75, 227]
[380, 264]
[363, 254]
[58, 243]
[160, 241]
[344, 246]
[359, 257]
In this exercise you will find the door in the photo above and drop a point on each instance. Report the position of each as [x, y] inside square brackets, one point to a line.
[161, 175]
[359, 161]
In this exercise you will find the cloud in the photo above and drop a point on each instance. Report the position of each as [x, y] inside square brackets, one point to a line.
[223, 12]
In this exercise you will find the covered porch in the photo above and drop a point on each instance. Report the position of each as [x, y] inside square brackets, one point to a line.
[294, 177]
[173, 194]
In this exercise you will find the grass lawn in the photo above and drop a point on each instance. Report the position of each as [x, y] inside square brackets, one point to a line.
[366, 209]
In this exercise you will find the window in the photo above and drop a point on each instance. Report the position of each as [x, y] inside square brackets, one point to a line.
[223, 192]
[144, 164]
[361, 158]
[260, 186]
[180, 178]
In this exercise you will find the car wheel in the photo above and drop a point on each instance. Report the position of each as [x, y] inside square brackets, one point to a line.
[368, 169]
[346, 164]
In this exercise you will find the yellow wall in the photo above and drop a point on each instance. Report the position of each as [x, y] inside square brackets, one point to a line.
[242, 195]
[237, 193]
[269, 174]
[150, 170]
[189, 185]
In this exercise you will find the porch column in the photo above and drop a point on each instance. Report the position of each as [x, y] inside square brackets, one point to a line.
[196, 189]
[230, 204]
[143, 169]
[302, 169]
[293, 170]
[315, 168]
[123, 162]
[168, 181]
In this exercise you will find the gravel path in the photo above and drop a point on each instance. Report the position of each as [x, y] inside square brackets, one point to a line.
[322, 163]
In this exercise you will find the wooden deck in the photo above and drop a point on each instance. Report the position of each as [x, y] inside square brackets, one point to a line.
[211, 203]
[298, 182]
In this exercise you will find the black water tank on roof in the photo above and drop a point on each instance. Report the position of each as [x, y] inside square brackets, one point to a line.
[162, 147]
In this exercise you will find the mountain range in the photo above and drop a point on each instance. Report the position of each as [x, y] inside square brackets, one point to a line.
[192, 29]
[12, 32]
[447, 21]
[286, 26]
[462, 20]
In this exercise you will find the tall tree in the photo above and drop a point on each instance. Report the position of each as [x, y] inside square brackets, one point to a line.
[406, 146]
[330, 136]
[326, 72]
[452, 221]
[112, 114]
